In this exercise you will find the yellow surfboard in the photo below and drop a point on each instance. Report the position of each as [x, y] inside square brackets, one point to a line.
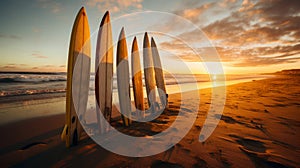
[159, 75]
[78, 77]
[149, 74]
[137, 83]
[123, 79]
[104, 73]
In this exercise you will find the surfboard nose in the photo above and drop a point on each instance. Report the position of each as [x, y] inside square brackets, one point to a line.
[82, 10]
[153, 44]
[146, 41]
[122, 34]
[134, 45]
[122, 46]
[105, 19]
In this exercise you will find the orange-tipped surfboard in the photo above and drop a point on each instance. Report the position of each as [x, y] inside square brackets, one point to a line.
[104, 73]
[78, 78]
[159, 75]
[123, 79]
[149, 73]
[137, 82]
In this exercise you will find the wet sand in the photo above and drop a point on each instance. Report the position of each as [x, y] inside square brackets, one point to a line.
[259, 128]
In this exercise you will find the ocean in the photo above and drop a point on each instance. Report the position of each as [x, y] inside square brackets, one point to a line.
[13, 84]
[25, 95]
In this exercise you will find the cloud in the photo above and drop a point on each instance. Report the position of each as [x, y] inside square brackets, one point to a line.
[175, 45]
[256, 56]
[260, 56]
[227, 3]
[38, 55]
[259, 23]
[28, 67]
[201, 13]
[115, 5]
[52, 5]
[10, 36]
[180, 50]
[246, 5]
[49, 68]
[241, 58]
[263, 21]
[12, 66]
[9, 67]
[257, 33]
[226, 28]
[249, 61]
[187, 57]
[193, 14]
[36, 30]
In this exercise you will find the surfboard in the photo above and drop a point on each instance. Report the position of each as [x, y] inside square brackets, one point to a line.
[78, 77]
[137, 83]
[104, 73]
[123, 79]
[159, 76]
[149, 73]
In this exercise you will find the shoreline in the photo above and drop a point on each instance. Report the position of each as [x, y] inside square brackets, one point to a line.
[201, 85]
[19, 101]
[258, 128]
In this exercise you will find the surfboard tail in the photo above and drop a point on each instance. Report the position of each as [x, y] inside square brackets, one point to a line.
[64, 133]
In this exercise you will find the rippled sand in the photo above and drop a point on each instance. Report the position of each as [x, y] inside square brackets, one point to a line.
[259, 128]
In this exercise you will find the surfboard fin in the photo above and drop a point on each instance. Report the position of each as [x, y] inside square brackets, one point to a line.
[107, 114]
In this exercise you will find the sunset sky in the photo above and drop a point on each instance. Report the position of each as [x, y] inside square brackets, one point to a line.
[250, 36]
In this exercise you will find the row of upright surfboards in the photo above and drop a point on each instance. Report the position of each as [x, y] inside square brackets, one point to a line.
[79, 74]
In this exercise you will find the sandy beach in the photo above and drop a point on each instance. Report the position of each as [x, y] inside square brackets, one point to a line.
[259, 128]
